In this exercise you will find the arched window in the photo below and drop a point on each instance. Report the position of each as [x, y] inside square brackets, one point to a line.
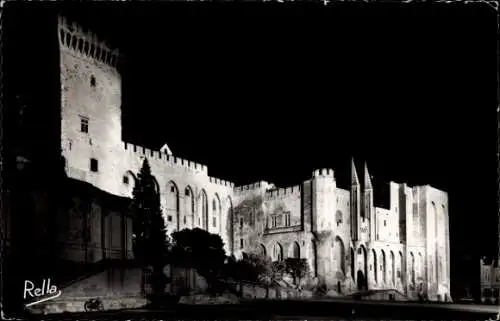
[294, 250]
[172, 204]
[339, 255]
[338, 218]
[384, 267]
[400, 266]
[204, 209]
[262, 250]
[435, 273]
[353, 267]
[375, 267]
[314, 254]
[277, 252]
[230, 222]
[420, 265]
[412, 267]
[393, 268]
[188, 206]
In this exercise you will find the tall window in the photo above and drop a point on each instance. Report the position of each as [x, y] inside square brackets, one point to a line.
[84, 124]
[277, 252]
[94, 166]
[274, 221]
[287, 219]
[338, 218]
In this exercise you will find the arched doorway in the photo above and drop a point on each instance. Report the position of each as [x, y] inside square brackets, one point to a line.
[361, 281]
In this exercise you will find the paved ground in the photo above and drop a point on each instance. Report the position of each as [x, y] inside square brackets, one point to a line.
[339, 309]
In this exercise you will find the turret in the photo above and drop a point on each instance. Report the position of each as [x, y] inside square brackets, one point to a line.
[323, 199]
[355, 200]
[323, 218]
[368, 210]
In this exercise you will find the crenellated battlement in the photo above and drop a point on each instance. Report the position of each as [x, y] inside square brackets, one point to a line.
[252, 187]
[284, 192]
[219, 181]
[73, 37]
[162, 156]
[323, 172]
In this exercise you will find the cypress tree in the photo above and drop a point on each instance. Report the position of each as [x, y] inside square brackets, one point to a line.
[150, 243]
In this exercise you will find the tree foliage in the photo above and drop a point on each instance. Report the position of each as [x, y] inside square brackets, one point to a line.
[297, 268]
[258, 268]
[150, 243]
[200, 250]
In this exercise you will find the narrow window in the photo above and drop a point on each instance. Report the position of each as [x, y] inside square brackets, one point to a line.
[125, 180]
[92, 81]
[84, 124]
[169, 218]
[241, 243]
[359, 251]
[385, 223]
[94, 166]
[241, 223]
[172, 189]
[214, 221]
[214, 207]
[186, 192]
[287, 219]
[184, 220]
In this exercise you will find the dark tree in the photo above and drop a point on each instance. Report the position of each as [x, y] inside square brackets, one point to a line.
[200, 250]
[150, 242]
[258, 268]
[297, 268]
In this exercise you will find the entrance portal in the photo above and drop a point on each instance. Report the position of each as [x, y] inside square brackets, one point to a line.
[361, 281]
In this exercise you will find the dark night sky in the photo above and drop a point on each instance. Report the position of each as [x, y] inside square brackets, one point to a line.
[272, 91]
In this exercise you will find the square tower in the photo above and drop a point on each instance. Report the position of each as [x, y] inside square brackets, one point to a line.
[90, 106]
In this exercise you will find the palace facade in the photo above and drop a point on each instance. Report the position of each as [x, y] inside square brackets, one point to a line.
[349, 243]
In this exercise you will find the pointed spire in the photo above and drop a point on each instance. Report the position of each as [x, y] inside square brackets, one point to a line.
[354, 174]
[368, 180]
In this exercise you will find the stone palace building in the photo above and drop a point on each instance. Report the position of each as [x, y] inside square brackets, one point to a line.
[490, 280]
[349, 243]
